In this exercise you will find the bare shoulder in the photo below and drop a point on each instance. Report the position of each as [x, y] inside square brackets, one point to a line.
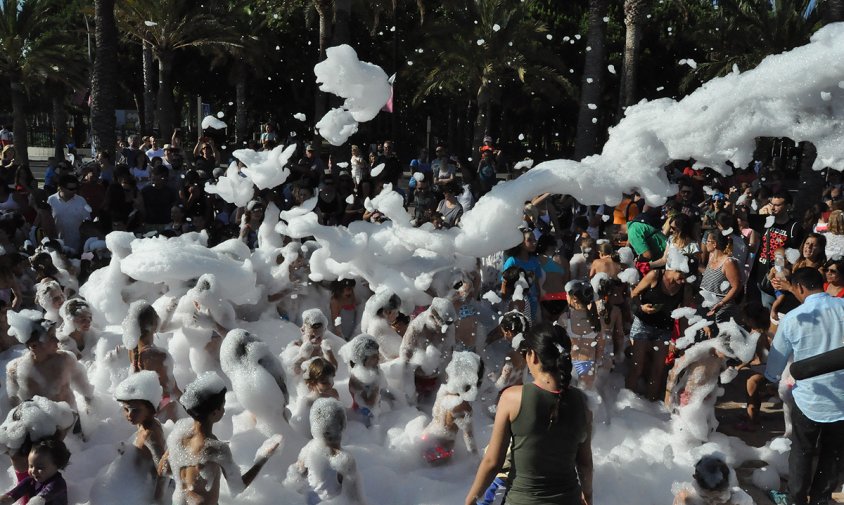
[511, 401]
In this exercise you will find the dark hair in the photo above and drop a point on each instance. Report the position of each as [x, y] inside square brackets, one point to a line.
[509, 278]
[516, 249]
[709, 466]
[393, 303]
[754, 315]
[808, 277]
[726, 220]
[607, 249]
[785, 195]
[837, 261]
[552, 346]
[339, 285]
[545, 243]
[515, 322]
[207, 405]
[581, 222]
[685, 226]
[721, 242]
[820, 245]
[55, 448]
[583, 291]
[68, 179]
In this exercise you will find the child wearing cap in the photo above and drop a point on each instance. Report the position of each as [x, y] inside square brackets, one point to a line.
[196, 458]
[44, 370]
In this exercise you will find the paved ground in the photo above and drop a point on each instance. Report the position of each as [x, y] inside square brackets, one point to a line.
[729, 411]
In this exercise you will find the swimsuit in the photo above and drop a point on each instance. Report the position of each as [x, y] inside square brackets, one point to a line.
[466, 310]
[583, 367]
[434, 451]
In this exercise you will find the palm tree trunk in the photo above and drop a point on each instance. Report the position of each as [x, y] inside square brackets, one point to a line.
[834, 11]
[342, 22]
[634, 11]
[57, 95]
[586, 142]
[19, 120]
[481, 116]
[241, 130]
[104, 79]
[323, 8]
[149, 88]
[165, 94]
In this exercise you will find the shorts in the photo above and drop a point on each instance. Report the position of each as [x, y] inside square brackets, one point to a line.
[583, 367]
[434, 450]
[642, 331]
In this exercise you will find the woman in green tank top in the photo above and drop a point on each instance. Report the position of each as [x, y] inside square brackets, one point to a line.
[548, 425]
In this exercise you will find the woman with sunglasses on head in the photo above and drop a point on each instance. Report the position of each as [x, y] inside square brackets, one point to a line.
[834, 285]
[549, 427]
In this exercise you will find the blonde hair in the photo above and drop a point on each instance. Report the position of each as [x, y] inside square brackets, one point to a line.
[836, 223]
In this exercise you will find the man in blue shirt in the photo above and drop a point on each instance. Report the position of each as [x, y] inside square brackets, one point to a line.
[813, 328]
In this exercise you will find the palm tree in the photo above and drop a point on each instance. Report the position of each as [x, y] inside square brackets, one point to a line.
[30, 51]
[149, 86]
[104, 78]
[477, 61]
[634, 14]
[746, 31]
[169, 26]
[592, 87]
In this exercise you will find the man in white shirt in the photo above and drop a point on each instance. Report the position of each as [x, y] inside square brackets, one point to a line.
[69, 211]
[154, 151]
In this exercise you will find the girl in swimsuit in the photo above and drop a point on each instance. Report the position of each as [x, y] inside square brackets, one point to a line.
[556, 271]
[586, 332]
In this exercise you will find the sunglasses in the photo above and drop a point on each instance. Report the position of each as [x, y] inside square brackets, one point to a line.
[832, 271]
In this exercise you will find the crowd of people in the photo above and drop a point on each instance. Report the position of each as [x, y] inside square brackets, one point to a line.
[720, 280]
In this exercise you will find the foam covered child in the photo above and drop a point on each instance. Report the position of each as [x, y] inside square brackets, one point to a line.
[206, 315]
[136, 467]
[75, 333]
[366, 381]
[379, 314]
[426, 348]
[318, 382]
[714, 483]
[45, 484]
[693, 381]
[453, 409]
[43, 370]
[257, 378]
[343, 306]
[324, 472]
[196, 458]
[29, 423]
[50, 297]
[139, 329]
[313, 343]
[513, 326]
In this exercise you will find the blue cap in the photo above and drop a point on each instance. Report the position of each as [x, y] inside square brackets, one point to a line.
[414, 163]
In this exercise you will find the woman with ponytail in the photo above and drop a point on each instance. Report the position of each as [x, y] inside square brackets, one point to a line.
[550, 426]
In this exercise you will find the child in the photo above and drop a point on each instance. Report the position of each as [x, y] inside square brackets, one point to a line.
[50, 297]
[75, 334]
[44, 370]
[318, 374]
[467, 328]
[379, 314]
[196, 458]
[139, 328]
[513, 326]
[139, 395]
[257, 378]
[610, 313]
[29, 423]
[324, 470]
[45, 484]
[312, 344]
[343, 308]
[453, 409]
[427, 346]
[366, 381]
[714, 484]
[693, 383]
[136, 467]
[586, 331]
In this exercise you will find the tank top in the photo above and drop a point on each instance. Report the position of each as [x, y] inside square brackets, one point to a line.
[656, 296]
[543, 471]
[714, 280]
